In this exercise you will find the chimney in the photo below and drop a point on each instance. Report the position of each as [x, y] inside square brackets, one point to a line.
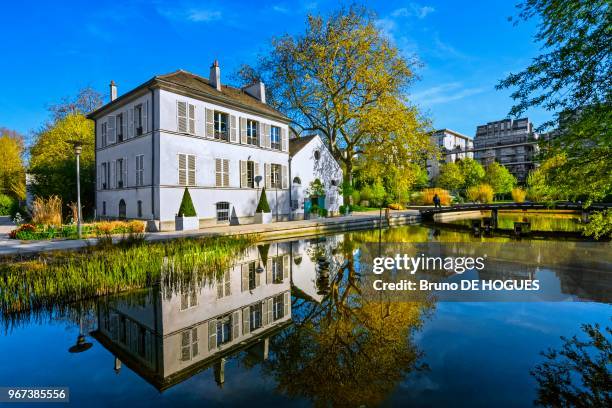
[257, 90]
[214, 78]
[113, 91]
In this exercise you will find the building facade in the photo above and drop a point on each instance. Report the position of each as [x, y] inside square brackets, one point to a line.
[179, 131]
[512, 143]
[452, 145]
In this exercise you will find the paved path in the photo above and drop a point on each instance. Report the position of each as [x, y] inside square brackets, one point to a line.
[6, 226]
[283, 229]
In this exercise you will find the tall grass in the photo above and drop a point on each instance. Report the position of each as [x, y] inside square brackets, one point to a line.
[58, 278]
[47, 211]
[483, 193]
[427, 195]
[518, 195]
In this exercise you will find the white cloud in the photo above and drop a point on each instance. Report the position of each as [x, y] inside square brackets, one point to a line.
[280, 9]
[186, 13]
[203, 15]
[413, 10]
[444, 93]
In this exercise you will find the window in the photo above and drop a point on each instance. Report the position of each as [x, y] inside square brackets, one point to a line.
[105, 177]
[251, 129]
[224, 287]
[221, 131]
[185, 117]
[255, 316]
[119, 172]
[138, 119]
[275, 137]
[189, 344]
[187, 169]
[224, 330]
[277, 270]
[189, 298]
[104, 132]
[278, 307]
[139, 208]
[252, 275]
[223, 211]
[119, 127]
[222, 172]
[103, 207]
[275, 176]
[250, 170]
[140, 170]
[122, 208]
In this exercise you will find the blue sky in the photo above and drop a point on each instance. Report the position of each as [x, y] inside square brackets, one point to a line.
[52, 49]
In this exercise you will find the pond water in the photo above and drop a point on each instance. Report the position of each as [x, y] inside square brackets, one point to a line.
[274, 330]
[566, 221]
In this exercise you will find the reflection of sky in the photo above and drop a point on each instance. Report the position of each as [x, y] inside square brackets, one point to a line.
[482, 352]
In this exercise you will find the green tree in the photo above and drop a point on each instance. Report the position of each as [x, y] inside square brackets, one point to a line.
[451, 177]
[573, 79]
[473, 172]
[12, 171]
[498, 177]
[539, 186]
[345, 80]
[262, 205]
[53, 163]
[186, 209]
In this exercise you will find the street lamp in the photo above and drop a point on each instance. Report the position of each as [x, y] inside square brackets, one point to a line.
[78, 148]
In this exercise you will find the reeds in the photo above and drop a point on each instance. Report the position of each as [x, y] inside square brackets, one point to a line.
[428, 194]
[47, 211]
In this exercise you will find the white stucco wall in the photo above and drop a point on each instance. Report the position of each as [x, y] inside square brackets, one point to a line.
[307, 168]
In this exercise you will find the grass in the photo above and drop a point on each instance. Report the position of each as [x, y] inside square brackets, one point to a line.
[57, 278]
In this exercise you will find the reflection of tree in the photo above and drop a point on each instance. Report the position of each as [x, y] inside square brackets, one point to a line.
[351, 349]
[579, 374]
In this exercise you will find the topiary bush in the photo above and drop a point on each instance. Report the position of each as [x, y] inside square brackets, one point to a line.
[263, 206]
[187, 209]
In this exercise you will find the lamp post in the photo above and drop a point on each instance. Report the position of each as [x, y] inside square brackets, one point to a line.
[78, 148]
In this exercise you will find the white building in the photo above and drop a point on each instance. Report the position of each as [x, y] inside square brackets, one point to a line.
[452, 145]
[179, 131]
[312, 160]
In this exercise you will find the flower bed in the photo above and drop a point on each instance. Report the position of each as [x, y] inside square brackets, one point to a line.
[28, 232]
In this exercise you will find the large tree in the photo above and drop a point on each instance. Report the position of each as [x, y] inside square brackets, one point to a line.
[345, 80]
[12, 172]
[473, 172]
[451, 177]
[573, 79]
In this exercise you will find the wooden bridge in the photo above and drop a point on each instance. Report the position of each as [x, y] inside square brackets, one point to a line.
[429, 213]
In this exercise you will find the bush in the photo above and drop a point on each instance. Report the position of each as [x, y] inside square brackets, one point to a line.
[24, 228]
[356, 197]
[427, 195]
[47, 212]
[518, 195]
[396, 206]
[482, 193]
[186, 209]
[262, 205]
[8, 205]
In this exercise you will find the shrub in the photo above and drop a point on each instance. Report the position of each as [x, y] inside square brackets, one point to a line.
[24, 228]
[262, 205]
[47, 212]
[427, 195]
[186, 209]
[518, 195]
[356, 197]
[396, 206]
[136, 227]
[482, 193]
[8, 205]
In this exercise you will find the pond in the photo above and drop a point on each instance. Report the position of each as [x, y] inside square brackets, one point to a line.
[275, 329]
[564, 221]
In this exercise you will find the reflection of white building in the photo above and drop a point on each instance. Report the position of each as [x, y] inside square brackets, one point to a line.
[167, 337]
[310, 159]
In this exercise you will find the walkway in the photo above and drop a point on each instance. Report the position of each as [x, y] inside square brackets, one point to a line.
[276, 230]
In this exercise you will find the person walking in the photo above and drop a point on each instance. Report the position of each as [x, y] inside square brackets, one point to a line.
[436, 201]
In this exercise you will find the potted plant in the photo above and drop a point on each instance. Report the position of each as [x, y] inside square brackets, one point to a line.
[186, 219]
[262, 213]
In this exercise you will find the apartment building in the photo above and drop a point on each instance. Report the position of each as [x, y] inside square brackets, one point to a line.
[452, 145]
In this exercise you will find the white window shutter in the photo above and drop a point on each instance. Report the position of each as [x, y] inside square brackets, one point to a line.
[267, 175]
[114, 173]
[246, 321]
[243, 132]
[284, 140]
[99, 177]
[145, 117]
[268, 135]
[125, 172]
[285, 266]
[210, 123]
[131, 116]
[243, 173]
[268, 276]
[244, 274]
[110, 129]
[233, 136]
[124, 125]
[192, 115]
[262, 134]
[269, 265]
[236, 325]
[226, 173]
[182, 169]
[218, 171]
[284, 177]
[212, 334]
[181, 116]
[255, 169]
[264, 313]
[287, 303]
[191, 170]
[270, 310]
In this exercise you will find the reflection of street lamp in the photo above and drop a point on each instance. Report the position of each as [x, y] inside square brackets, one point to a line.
[78, 148]
[81, 345]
